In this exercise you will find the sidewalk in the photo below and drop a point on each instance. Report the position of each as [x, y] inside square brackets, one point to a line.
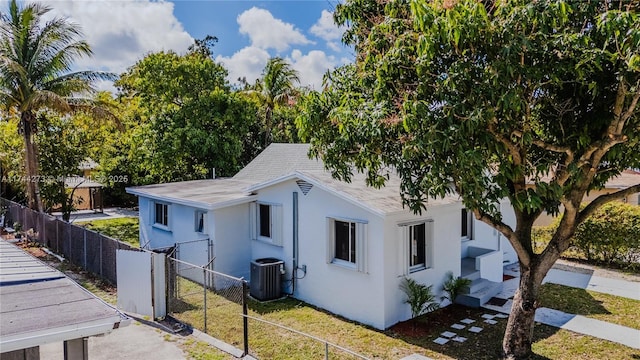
[577, 323]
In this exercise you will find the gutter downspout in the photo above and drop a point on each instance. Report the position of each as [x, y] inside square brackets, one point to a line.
[295, 242]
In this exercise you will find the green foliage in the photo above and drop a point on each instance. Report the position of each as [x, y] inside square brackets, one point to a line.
[11, 159]
[36, 57]
[275, 92]
[483, 98]
[63, 146]
[611, 235]
[187, 120]
[419, 297]
[453, 286]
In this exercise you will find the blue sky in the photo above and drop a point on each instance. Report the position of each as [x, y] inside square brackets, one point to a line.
[122, 31]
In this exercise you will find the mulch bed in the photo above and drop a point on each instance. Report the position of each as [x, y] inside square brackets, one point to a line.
[506, 277]
[433, 322]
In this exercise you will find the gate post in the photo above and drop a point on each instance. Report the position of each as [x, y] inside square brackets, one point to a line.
[245, 319]
[204, 287]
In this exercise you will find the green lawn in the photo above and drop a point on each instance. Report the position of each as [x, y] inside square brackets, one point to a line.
[123, 229]
[605, 307]
[269, 342]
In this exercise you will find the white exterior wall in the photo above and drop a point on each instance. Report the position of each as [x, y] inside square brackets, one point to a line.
[232, 244]
[347, 292]
[181, 225]
[445, 257]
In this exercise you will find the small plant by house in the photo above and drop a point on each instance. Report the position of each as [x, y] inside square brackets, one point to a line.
[420, 297]
[453, 286]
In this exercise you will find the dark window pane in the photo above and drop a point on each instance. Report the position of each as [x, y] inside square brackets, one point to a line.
[465, 223]
[199, 221]
[158, 213]
[417, 245]
[342, 241]
[353, 242]
[265, 220]
[162, 215]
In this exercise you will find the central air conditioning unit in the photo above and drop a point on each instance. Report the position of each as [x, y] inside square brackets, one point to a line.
[265, 278]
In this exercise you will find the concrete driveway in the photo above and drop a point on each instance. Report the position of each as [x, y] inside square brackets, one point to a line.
[136, 341]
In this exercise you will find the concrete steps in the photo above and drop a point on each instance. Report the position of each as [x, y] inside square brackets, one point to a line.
[478, 292]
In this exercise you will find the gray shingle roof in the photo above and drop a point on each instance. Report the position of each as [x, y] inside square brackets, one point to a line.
[197, 193]
[278, 161]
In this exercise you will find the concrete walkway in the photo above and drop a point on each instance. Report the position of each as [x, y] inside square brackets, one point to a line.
[136, 341]
[577, 323]
[617, 287]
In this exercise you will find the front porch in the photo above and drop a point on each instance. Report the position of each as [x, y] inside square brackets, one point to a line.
[485, 270]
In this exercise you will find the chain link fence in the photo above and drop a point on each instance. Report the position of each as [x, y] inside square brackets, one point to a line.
[88, 249]
[220, 306]
[207, 300]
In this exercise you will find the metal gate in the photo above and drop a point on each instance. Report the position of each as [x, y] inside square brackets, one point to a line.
[196, 252]
[141, 282]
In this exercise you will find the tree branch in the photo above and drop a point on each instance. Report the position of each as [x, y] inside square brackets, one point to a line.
[546, 146]
[513, 150]
[508, 232]
[603, 199]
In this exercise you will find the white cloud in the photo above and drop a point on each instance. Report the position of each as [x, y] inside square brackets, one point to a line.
[325, 28]
[312, 66]
[267, 32]
[122, 32]
[247, 62]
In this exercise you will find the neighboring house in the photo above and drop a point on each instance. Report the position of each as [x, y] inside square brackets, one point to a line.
[626, 179]
[87, 194]
[345, 246]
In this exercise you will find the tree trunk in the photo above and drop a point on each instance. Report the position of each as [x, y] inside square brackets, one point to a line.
[32, 180]
[267, 124]
[518, 335]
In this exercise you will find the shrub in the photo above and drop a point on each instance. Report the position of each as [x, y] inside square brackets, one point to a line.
[453, 286]
[419, 297]
[611, 235]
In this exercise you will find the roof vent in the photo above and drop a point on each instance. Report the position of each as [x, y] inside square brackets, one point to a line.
[304, 186]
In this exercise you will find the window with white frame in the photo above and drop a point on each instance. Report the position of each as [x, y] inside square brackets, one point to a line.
[161, 216]
[199, 221]
[347, 243]
[266, 222]
[466, 229]
[417, 247]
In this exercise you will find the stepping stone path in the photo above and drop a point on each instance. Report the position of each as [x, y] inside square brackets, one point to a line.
[459, 339]
[446, 336]
[475, 329]
[441, 341]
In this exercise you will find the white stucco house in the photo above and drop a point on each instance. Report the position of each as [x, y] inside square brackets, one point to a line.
[345, 246]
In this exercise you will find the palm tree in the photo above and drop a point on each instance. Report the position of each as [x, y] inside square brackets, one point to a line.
[35, 65]
[276, 87]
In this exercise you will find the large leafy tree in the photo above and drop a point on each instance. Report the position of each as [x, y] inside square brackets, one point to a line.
[276, 87]
[192, 120]
[532, 101]
[35, 73]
